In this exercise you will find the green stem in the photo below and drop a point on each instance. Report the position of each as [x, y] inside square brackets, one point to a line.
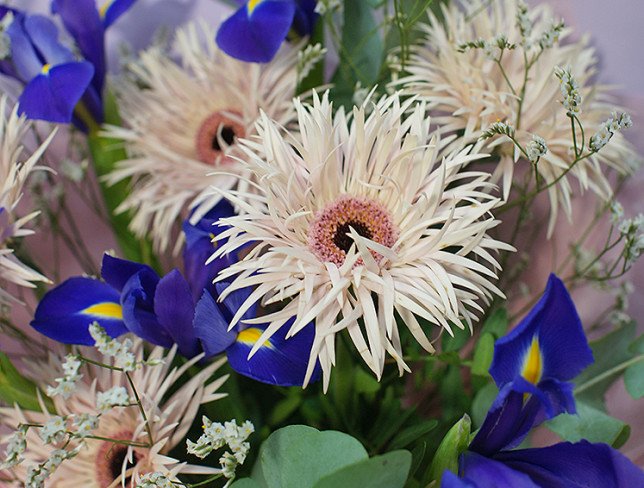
[608, 374]
[141, 409]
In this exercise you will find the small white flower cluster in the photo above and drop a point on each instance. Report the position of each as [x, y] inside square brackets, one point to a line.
[54, 430]
[497, 128]
[536, 148]
[114, 397]
[37, 474]
[324, 6]
[5, 40]
[85, 424]
[15, 448]
[524, 24]
[616, 212]
[107, 346]
[631, 229]
[67, 384]
[216, 436]
[551, 35]
[614, 123]
[308, 58]
[569, 90]
[155, 480]
[492, 48]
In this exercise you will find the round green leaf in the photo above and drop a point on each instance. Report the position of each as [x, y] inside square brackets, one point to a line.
[298, 456]
[387, 471]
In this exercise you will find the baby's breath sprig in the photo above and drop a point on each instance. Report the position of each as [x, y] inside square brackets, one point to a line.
[308, 58]
[615, 123]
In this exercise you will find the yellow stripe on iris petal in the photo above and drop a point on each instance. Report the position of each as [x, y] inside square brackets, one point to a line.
[45, 69]
[533, 363]
[250, 336]
[252, 4]
[104, 8]
[109, 310]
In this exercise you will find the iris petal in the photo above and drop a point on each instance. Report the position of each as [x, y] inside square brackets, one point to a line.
[568, 465]
[44, 36]
[280, 361]
[175, 311]
[65, 312]
[137, 299]
[211, 327]
[53, 96]
[556, 326]
[117, 272]
[483, 472]
[82, 21]
[256, 37]
[111, 10]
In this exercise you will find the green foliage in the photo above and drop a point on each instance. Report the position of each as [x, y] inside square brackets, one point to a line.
[361, 52]
[634, 374]
[482, 403]
[298, 456]
[16, 389]
[483, 355]
[496, 323]
[591, 424]
[609, 352]
[106, 153]
[451, 447]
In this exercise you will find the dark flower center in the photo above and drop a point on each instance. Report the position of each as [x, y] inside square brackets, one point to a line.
[227, 134]
[343, 240]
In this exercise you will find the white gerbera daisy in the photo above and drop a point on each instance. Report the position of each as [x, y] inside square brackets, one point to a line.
[103, 464]
[14, 171]
[467, 91]
[362, 219]
[183, 119]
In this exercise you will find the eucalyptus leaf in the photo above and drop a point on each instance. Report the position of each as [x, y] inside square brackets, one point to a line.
[298, 456]
[387, 471]
[245, 483]
[591, 424]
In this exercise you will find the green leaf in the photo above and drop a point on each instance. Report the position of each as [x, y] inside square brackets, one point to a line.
[450, 448]
[483, 355]
[361, 52]
[245, 483]
[634, 374]
[609, 352]
[497, 323]
[16, 389]
[365, 382]
[482, 403]
[591, 424]
[283, 409]
[298, 456]
[406, 436]
[387, 471]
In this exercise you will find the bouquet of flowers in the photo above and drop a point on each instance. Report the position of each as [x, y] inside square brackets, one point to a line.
[308, 246]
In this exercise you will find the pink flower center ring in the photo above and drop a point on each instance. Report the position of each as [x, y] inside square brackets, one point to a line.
[215, 129]
[329, 235]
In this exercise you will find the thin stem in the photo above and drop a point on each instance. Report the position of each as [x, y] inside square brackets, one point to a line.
[505, 76]
[141, 409]
[608, 374]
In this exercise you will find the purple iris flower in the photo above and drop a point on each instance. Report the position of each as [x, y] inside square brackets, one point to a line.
[174, 309]
[55, 79]
[532, 367]
[255, 32]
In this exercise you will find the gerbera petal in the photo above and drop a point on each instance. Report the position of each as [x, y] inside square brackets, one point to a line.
[211, 327]
[279, 361]
[53, 94]
[548, 343]
[579, 465]
[255, 32]
[175, 311]
[66, 311]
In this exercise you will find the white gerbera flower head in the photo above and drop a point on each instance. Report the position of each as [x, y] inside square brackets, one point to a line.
[468, 92]
[362, 218]
[15, 167]
[183, 119]
[170, 410]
